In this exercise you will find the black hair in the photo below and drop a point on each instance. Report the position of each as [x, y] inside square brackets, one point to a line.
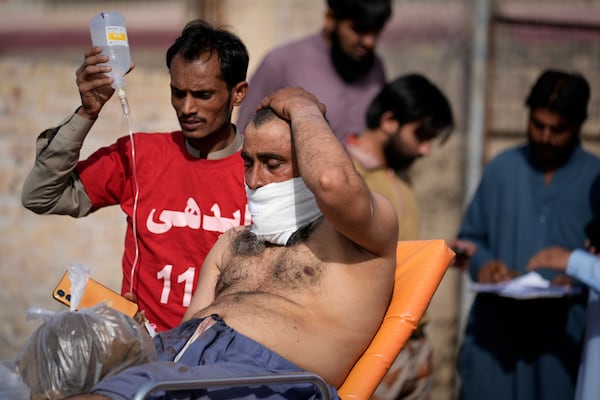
[413, 98]
[199, 37]
[564, 93]
[366, 15]
[264, 115]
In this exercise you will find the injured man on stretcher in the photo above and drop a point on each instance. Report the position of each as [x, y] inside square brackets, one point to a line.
[304, 288]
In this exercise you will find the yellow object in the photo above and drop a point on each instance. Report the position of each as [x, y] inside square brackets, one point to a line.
[94, 293]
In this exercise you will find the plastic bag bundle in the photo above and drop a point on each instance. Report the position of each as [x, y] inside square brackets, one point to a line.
[71, 351]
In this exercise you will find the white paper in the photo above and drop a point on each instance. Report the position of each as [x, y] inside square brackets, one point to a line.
[529, 286]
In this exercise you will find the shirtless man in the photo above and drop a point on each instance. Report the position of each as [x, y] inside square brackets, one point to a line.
[306, 286]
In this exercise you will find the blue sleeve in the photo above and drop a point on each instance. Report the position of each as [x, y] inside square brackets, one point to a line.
[585, 267]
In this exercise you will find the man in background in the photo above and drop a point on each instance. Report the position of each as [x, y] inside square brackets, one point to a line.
[530, 197]
[403, 121]
[584, 266]
[338, 65]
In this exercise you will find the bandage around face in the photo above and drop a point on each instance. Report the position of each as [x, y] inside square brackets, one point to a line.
[280, 209]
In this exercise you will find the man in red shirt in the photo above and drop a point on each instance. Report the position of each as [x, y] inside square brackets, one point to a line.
[179, 190]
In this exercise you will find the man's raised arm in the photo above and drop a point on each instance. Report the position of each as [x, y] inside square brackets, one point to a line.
[342, 195]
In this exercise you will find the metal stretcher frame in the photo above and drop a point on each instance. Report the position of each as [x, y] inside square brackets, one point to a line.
[420, 267]
[195, 384]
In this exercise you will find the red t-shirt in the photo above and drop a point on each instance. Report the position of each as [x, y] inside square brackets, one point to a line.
[184, 204]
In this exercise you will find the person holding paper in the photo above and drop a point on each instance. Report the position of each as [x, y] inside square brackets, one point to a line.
[529, 198]
[585, 266]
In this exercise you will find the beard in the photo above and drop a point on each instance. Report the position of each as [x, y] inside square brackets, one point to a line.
[548, 157]
[396, 159]
[248, 244]
[347, 67]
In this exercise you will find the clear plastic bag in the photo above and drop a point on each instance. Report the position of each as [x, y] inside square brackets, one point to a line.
[71, 351]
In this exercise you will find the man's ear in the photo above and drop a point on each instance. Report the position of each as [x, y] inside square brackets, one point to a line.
[238, 94]
[388, 123]
[329, 23]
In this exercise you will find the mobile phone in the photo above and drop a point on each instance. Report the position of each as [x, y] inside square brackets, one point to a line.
[94, 293]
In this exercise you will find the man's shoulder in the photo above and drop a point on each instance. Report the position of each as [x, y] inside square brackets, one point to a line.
[510, 164]
[587, 156]
[151, 138]
[149, 145]
[583, 163]
[160, 135]
[510, 152]
[173, 138]
[310, 43]
[508, 156]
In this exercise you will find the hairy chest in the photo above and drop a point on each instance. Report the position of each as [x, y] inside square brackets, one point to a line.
[271, 270]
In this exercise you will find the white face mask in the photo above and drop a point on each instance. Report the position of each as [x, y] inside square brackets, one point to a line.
[280, 209]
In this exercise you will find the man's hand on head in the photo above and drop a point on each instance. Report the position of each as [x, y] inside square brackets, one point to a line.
[287, 100]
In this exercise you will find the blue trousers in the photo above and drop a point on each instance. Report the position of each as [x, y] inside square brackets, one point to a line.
[218, 352]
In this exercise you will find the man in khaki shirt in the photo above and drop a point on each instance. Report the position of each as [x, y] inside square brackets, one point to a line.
[403, 120]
